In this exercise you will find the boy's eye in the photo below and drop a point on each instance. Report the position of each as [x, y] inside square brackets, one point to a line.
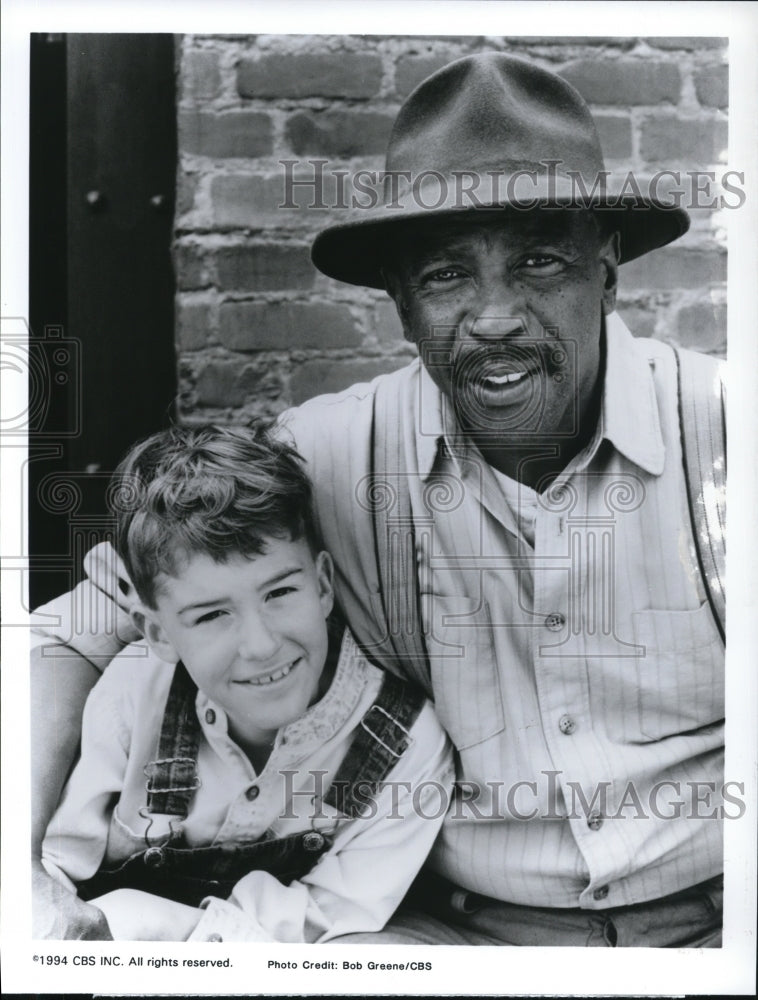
[210, 616]
[280, 592]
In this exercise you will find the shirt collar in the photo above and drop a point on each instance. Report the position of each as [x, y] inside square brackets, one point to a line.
[628, 418]
[438, 429]
[629, 414]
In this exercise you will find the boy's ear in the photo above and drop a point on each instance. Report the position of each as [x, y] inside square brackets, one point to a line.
[152, 630]
[325, 575]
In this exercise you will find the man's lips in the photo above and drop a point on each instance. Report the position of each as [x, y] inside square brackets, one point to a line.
[507, 378]
[497, 367]
[272, 676]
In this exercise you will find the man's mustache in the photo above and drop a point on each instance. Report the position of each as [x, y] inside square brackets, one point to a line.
[473, 361]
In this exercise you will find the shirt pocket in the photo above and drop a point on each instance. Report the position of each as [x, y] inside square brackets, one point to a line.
[465, 677]
[680, 677]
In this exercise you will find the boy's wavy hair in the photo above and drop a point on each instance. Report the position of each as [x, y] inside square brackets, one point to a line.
[220, 491]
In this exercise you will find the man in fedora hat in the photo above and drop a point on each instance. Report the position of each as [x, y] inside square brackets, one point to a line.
[518, 523]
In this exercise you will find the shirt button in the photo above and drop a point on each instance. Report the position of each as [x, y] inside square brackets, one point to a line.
[153, 857]
[555, 621]
[210, 716]
[214, 937]
[600, 893]
[313, 841]
[595, 820]
[252, 793]
[566, 725]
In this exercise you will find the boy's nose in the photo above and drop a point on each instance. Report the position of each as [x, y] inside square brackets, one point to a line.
[258, 641]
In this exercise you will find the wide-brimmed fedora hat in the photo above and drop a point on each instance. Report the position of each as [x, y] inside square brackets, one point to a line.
[484, 133]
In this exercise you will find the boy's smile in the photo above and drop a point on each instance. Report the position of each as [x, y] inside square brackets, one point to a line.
[250, 631]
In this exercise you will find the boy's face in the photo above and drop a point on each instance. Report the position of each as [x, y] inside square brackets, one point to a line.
[250, 631]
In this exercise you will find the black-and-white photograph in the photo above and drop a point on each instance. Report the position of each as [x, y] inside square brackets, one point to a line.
[375, 506]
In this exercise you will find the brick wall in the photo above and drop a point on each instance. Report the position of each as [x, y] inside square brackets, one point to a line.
[258, 328]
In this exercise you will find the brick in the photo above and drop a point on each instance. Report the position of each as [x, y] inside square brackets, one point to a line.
[641, 322]
[338, 133]
[190, 267]
[690, 141]
[264, 326]
[252, 201]
[687, 43]
[226, 383]
[185, 193]
[200, 74]
[712, 86]
[266, 268]
[624, 81]
[615, 133]
[231, 133]
[193, 325]
[702, 327]
[384, 322]
[673, 267]
[339, 74]
[313, 378]
[245, 200]
[411, 70]
[217, 384]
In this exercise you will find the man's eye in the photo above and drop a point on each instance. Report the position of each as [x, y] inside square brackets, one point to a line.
[210, 616]
[539, 260]
[443, 274]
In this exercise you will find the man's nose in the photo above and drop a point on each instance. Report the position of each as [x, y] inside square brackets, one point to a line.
[258, 639]
[500, 312]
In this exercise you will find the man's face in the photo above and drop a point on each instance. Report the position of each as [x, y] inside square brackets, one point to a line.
[506, 312]
[250, 631]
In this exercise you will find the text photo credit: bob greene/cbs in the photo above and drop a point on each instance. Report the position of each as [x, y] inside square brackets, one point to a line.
[364, 457]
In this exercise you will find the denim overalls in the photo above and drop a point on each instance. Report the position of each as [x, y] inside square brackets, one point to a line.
[189, 874]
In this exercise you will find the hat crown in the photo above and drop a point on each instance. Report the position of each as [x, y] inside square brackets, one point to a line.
[493, 111]
[528, 138]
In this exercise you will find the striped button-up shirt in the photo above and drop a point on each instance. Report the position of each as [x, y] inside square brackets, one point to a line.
[574, 660]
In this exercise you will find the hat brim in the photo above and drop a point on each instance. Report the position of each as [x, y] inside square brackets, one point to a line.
[357, 251]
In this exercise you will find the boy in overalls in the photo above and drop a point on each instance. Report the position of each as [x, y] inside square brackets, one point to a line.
[250, 775]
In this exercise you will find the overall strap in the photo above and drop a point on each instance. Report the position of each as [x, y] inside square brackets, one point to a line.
[380, 740]
[703, 431]
[172, 777]
[395, 538]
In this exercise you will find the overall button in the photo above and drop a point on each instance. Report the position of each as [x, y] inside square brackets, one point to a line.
[595, 820]
[600, 893]
[154, 857]
[566, 725]
[210, 716]
[313, 841]
[252, 793]
[555, 621]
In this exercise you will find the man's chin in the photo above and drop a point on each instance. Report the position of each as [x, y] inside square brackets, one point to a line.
[501, 408]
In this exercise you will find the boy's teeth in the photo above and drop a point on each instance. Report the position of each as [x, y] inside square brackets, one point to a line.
[276, 676]
[502, 379]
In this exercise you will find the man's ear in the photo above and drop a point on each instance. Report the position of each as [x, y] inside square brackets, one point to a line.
[325, 576]
[393, 289]
[153, 631]
[610, 252]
